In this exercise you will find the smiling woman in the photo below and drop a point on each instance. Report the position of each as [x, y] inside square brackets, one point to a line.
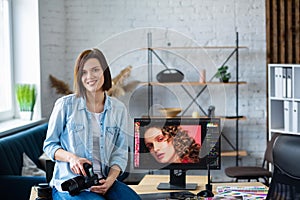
[89, 127]
[6, 107]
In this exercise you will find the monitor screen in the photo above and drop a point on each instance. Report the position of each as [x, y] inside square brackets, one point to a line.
[177, 144]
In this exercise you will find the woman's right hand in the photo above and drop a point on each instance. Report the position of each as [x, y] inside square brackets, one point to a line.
[76, 165]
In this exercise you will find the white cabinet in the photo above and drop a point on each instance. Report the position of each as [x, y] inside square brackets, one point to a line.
[284, 98]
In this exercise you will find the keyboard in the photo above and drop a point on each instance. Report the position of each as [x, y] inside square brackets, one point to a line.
[181, 195]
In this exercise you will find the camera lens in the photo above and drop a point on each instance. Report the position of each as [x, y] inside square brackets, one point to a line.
[76, 184]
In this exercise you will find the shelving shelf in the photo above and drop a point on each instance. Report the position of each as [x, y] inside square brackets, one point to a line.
[282, 131]
[196, 47]
[235, 51]
[221, 117]
[234, 153]
[192, 83]
[283, 99]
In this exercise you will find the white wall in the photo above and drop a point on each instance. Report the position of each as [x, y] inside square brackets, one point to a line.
[53, 43]
[120, 27]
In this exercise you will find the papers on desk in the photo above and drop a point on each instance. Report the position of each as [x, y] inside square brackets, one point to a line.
[245, 193]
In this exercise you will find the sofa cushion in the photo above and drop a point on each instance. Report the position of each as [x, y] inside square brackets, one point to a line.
[30, 169]
[13, 146]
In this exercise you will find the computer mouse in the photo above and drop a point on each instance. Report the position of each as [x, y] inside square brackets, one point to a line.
[205, 193]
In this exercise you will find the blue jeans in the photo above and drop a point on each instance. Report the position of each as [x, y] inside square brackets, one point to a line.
[118, 191]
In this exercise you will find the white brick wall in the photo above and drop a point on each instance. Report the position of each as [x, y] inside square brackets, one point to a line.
[53, 42]
[69, 26]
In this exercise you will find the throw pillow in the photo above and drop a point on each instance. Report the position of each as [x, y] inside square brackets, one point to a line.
[30, 169]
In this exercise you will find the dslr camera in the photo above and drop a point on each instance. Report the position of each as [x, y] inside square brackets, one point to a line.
[75, 185]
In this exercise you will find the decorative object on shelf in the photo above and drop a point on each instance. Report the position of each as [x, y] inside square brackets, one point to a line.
[118, 87]
[211, 111]
[223, 74]
[60, 86]
[170, 75]
[195, 114]
[202, 76]
[26, 98]
[170, 112]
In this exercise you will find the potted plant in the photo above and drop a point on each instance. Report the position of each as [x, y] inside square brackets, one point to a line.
[26, 98]
[223, 74]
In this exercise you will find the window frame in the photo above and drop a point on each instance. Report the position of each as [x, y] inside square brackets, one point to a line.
[10, 113]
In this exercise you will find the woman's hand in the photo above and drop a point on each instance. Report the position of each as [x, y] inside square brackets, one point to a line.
[103, 186]
[76, 165]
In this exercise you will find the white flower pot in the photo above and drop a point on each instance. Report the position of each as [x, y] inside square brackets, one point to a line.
[26, 115]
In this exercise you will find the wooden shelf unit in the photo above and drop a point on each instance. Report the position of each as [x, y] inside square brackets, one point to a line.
[234, 153]
[196, 47]
[236, 83]
[192, 83]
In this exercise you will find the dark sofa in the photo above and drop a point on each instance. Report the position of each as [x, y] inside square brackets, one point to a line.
[30, 141]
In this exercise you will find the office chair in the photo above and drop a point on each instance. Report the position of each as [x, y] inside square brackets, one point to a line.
[285, 183]
[254, 172]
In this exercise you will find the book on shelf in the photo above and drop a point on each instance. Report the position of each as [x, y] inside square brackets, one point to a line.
[284, 82]
[289, 82]
[278, 82]
[295, 117]
[288, 115]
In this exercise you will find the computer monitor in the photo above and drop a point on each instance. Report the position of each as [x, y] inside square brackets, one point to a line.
[178, 145]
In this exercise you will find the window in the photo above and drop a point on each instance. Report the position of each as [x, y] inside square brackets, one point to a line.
[6, 89]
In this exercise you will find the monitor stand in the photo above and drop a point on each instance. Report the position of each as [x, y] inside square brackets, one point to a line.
[177, 182]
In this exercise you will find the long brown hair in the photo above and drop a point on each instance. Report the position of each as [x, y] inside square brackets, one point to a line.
[79, 63]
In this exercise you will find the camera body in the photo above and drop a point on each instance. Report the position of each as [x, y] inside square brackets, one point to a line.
[75, 185]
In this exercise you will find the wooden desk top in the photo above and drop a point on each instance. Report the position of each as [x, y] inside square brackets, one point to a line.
[150, 182]
[156, 179]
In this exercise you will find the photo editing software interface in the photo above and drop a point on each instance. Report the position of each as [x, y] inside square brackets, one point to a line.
[177, 144]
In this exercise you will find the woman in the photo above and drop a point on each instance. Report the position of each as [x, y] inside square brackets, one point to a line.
[89, 127]
[171, 144]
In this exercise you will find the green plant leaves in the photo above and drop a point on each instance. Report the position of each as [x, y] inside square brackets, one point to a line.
[26, 96]
[222, 73]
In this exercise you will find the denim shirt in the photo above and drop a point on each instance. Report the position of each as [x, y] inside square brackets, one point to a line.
[69, 128]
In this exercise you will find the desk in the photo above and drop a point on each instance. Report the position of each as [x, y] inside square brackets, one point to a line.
[149, 183]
